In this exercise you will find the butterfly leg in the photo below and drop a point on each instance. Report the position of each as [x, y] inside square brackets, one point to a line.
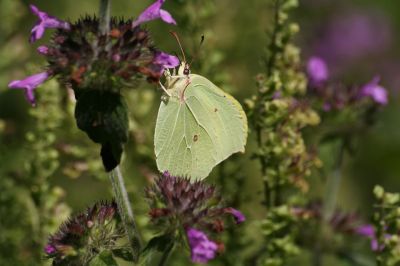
[178, 76]
[164, 89]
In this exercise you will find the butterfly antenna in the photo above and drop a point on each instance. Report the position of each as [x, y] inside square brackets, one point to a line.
[179, 43]
[198, 50]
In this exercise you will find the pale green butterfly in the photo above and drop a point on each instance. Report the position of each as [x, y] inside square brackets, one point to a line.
[198, 125]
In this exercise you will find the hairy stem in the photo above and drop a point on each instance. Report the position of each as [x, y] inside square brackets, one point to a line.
[104, 14]
[125, 210]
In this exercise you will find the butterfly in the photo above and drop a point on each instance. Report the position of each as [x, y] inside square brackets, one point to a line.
[198, 125]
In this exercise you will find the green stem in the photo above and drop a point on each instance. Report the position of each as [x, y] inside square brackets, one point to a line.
[125, 210]
[333, 185]
[329, 205]
[166, 255]
[104, 14]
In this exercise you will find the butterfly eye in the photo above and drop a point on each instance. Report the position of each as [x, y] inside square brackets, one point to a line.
[186, 71]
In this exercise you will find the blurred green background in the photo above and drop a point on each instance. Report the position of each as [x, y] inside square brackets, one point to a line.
[47, 166]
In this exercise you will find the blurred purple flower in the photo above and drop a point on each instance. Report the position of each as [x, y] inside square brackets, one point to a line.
[237, 215]
[375, 91]
[153, 12]
[29, 84]
[352, 36]
[317, 71]
[166, 60]
[45, 22]
[366, 230]
[202, 249]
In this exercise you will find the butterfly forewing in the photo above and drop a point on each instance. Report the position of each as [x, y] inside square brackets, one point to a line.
[195, 133]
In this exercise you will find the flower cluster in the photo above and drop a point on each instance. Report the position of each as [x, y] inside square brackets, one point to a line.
[337, 96]
[383, 233]
[177, 204]
[86, 58]
[85, 235]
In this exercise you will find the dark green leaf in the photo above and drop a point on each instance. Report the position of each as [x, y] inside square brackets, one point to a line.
[105, 258]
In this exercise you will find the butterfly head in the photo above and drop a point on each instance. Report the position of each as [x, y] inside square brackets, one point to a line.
[184, 69]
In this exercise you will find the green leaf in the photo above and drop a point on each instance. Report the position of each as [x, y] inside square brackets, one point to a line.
[123, 253]
[105, 258]
[103, 116]
[158, 243]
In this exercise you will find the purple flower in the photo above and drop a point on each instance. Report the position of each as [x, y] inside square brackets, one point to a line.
[166, 60]
[49, 249]
[317, 71]
[154, 12]
[366, 230]
[375, 91]
[43, 50]
[45, 22]
[29, 84]
[202, 249]
[237, 215]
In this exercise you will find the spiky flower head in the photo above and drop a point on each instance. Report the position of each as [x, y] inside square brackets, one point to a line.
[188, 209]
[178, 202]
[87, 59]
[86, 235]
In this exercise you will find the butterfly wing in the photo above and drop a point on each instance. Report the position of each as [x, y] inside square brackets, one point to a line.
[194, 135]
[221, 116]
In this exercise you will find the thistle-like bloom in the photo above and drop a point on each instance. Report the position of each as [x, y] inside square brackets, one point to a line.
[29, 84]
[201, 248]
[81, 56]
[376, 92]
[84, 235]
[317, 71]
[45, 22]
[125, 57]
[179, 204]
[153, 12]
[191, 203]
